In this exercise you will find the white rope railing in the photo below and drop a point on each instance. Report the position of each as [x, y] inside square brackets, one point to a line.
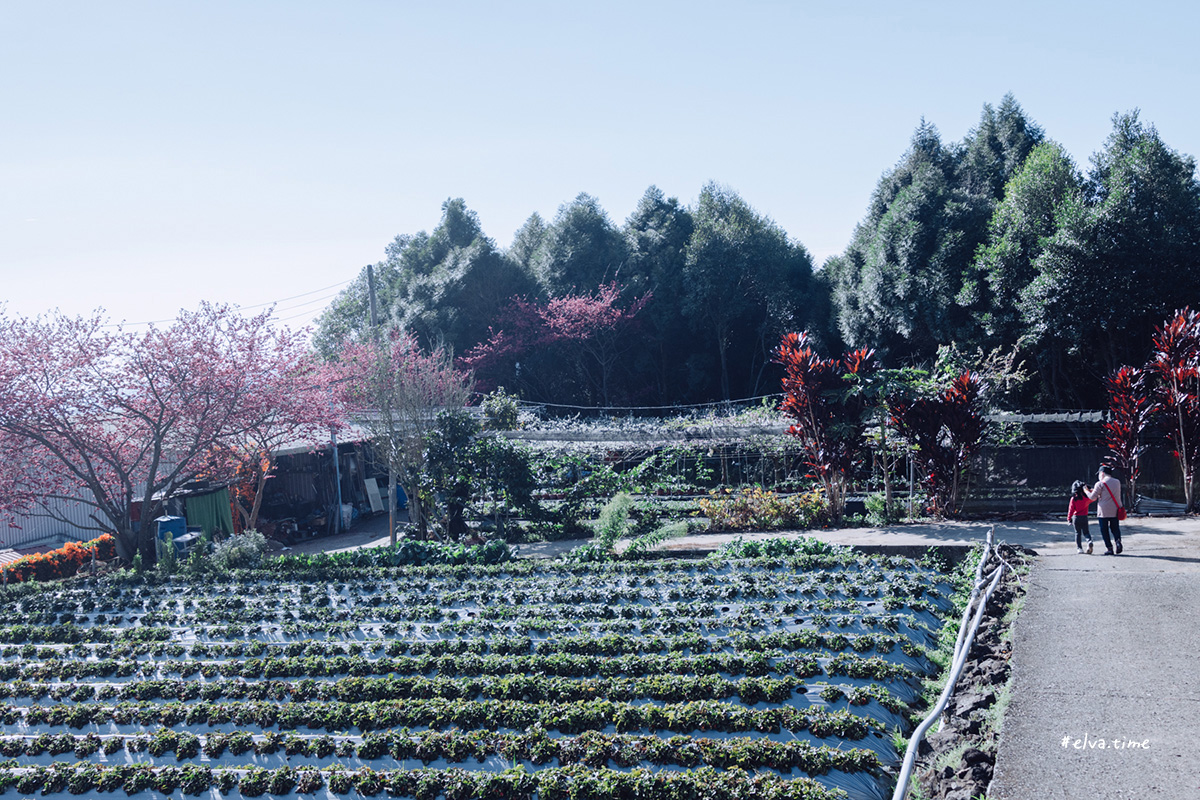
[968, 627]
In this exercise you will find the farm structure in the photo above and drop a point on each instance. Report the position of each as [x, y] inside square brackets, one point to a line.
[300, 501]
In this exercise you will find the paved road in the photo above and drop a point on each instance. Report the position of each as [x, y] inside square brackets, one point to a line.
[1106, 649]
[1039, 535]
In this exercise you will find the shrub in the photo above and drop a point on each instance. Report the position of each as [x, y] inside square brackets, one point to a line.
[500, 411]
[877, 510]
[759, 509]
[614, 521]
[243, 551]
[643, 544]
[167, 560]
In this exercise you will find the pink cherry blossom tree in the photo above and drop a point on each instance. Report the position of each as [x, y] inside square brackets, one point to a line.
[294, 403]
[585, 331]
[395, 391]
[118, 421]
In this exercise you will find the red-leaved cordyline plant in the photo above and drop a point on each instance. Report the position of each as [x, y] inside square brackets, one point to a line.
[945, 431]
[395, 391]
[1175, 362]
[1130, 408]
[588, 329]
[829, 415]
[116, 420]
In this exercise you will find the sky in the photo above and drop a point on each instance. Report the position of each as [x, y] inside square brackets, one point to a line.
[154, 155]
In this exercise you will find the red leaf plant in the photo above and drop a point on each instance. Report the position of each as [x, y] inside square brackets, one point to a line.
[829, 415]
[945, 431]
[1130, 408]
[61, 563]
[1175, 362]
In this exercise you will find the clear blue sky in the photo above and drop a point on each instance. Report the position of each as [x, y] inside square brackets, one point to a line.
[155, 154]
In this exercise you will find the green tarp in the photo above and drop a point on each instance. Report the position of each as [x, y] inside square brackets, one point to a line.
[211, 512]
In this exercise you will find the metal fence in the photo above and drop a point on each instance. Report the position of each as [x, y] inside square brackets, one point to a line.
[1039, 478]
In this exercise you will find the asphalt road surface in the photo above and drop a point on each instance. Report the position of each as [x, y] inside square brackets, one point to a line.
[1106, 700]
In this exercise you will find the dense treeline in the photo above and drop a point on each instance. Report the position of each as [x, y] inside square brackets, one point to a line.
[997, 242]
[1002, 242]
[713, 287]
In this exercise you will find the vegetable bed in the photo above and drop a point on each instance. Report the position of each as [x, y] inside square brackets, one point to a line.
[763, 678]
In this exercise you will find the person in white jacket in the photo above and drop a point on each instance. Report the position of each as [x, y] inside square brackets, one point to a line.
[1107, 494]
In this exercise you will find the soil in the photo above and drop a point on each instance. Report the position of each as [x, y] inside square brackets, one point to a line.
[965, 722]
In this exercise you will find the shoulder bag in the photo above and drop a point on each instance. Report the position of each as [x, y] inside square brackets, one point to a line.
[1120, 508]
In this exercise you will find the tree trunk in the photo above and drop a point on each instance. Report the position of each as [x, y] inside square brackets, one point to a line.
[126, 544]
[252, 521]
[392, 506]
[416, 511]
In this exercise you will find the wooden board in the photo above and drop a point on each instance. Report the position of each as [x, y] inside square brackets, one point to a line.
[373, 495]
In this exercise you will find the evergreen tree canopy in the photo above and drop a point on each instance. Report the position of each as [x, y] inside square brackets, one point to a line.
[581, 249]
[997, 243]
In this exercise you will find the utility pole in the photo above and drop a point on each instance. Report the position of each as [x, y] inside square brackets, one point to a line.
[371, 292]
[337, 477]
[391, 471]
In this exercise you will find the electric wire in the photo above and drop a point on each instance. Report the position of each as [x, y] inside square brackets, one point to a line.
[247, 308]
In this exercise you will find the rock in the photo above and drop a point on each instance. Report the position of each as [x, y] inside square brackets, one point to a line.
[973, 755]
[979, 652]
[939, 740]
[987, 670]
[959, 793]
[973, 701]
[992, 671]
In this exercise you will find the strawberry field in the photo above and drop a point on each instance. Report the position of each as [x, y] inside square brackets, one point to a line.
[782, 677]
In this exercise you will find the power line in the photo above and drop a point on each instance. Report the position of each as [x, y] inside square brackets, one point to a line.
[305, 294]
[245, 308]
[297, 316]
[320, 299]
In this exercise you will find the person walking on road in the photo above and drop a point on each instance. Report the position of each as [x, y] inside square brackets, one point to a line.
[1107, 493]
[1077, 514]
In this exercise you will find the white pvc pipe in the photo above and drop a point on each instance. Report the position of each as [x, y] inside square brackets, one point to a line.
[960, 661]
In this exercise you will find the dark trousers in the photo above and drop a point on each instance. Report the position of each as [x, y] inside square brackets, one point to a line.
[1081, 530]
[1107, 523]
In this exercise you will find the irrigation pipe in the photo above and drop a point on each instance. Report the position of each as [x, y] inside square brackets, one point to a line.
[976, 585]
[960, 661]
[989, 549]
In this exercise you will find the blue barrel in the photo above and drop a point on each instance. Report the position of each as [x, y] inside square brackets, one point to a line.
[176, 526]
